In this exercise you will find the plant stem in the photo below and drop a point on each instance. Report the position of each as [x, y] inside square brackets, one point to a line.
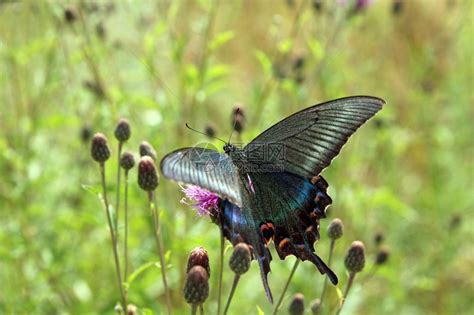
[277, 306]
[117, 207]
[113, 239]
[234, 286]
[125, 244]
[159, 244]
[221, 272]
[331, 249]
[349, 285]
[194, 309]
[201, 309]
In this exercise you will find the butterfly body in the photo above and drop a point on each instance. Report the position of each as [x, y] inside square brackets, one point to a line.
[271, 189]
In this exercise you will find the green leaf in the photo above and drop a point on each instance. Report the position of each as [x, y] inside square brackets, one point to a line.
[260, 311]
[339, 295]
[140, 270]
[220, 40]
[265, 62]
[93, 190]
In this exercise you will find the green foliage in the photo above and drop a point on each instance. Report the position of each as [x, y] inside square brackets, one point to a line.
[407, 173]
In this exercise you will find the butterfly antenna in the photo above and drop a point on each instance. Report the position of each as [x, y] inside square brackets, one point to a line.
[203, 133]
[235, 122]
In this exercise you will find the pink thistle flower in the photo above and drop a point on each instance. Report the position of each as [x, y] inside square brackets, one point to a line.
[201, 199]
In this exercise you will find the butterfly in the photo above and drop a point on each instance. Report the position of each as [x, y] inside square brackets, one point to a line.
[271, 189]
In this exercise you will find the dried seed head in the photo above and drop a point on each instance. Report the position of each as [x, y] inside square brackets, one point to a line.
[199, 257]
[297, 305]
[100, 151]
[132, 309]
[355, 257]
[147, 176]
[196, 287]
[122, 130]
[127, 161]
[335, 229]
[147, 150]
[316, 307]
[382, 256]
[210, 131]
[240, 260]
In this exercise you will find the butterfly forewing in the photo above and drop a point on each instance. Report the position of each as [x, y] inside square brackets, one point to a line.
[312, 137]
[205, 168]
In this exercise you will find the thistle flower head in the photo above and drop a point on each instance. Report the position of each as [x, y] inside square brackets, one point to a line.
[201, 199]
[147, 176]
[355, 257]
[127, 161]
[196, 286]
[335, 229]
[122, 130]
[100, 151]
[297, 305]
[362, 4]
[147, 150]
[240, 260]
[199, 257]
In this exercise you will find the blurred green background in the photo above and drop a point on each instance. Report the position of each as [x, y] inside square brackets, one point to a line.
[72, 68]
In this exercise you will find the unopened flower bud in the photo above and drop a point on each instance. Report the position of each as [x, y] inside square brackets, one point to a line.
[297, 305]
[355, 257]
[382, 256]
[147, 175]
[122, 130]
[378, 238]
[199, 257]
[70, 14]
[316, 307]
[147, 150]
[210, 131]
[240, 260]
[335, 229]
[100, 151]
[196, 286]
[127, 161]
[132, 309]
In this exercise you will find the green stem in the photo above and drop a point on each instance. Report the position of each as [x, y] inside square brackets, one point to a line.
[117, 207]
[194, 309]
[349, 285]
[221, 272]
[331, 250]
[159, 244]
[113, 239]
[277, 306]
[125, 244]
[201, 309]
[234, 286]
